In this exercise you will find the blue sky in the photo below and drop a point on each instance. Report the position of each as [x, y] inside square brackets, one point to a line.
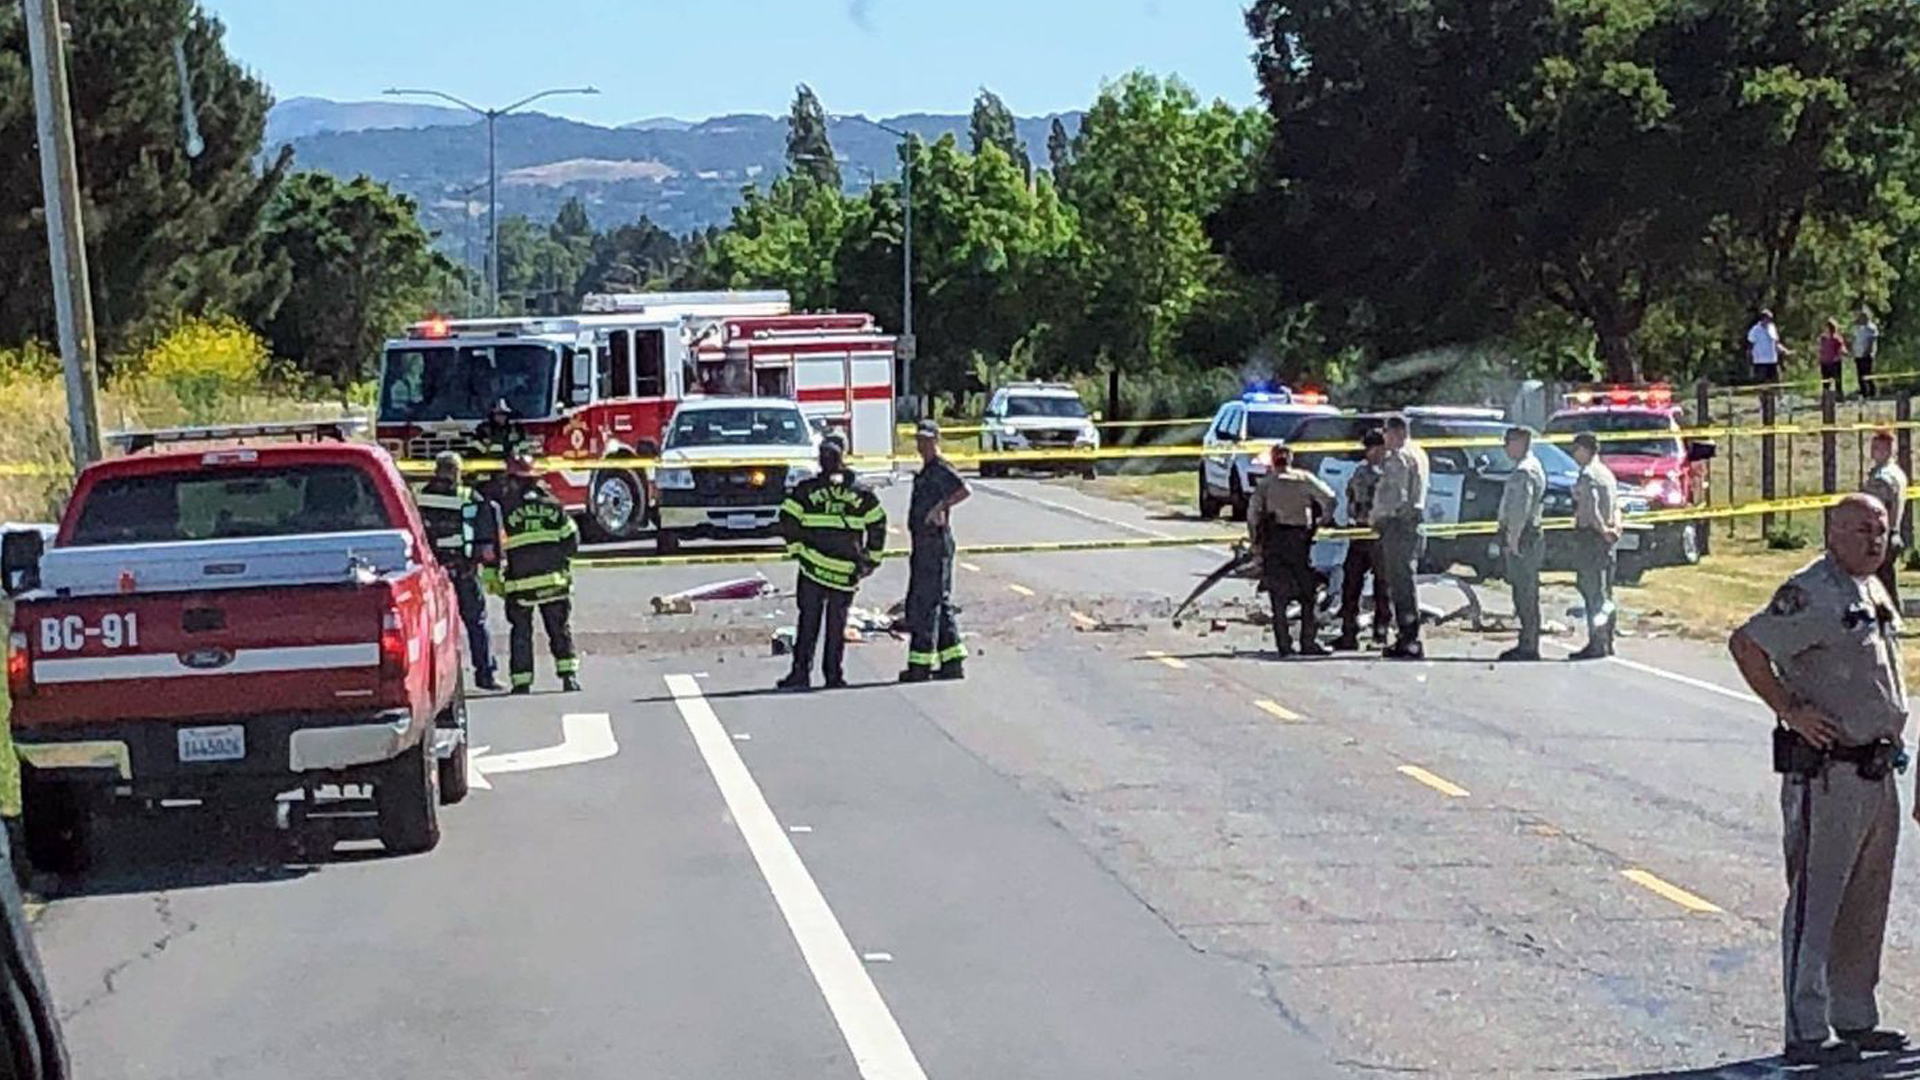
[700, 58]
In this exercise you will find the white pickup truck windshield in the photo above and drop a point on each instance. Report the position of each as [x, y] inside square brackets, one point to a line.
[187, 506]
[739, 427]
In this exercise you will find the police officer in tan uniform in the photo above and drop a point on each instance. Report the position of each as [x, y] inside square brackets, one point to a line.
[1282, 515]
[1824, 655]
[1887, 481]
[1399, 506]
[1522, 500]
[1596, 529]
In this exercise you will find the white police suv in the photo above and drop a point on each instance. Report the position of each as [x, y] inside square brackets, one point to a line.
[1038, 416]
[1235, 455]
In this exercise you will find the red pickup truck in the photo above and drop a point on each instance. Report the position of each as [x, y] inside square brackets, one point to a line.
[229, 626]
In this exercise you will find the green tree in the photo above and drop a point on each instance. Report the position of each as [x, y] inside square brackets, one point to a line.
[991, 253]
[786, 237]
[992, 124]
[1060, 154]
[362, 269]
[167, 233]
[809, 150]
[1151, 165]
[632, 258]
[1608, 157]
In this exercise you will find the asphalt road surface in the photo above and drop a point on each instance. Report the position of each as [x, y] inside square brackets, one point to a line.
[1117, 850]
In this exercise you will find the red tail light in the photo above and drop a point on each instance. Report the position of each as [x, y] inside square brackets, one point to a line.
[19, 666]
[393, 647]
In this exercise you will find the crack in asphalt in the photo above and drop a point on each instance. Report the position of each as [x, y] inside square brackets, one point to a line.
[171, 930]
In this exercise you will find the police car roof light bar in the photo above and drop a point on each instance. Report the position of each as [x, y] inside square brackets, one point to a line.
[339, 430]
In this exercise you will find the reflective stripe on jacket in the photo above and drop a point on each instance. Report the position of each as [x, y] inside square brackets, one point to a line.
[541, 540]
[834, 526]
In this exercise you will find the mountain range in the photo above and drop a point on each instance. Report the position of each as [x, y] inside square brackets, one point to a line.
[684, 175]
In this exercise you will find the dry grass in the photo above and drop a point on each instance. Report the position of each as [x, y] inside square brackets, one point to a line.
[36, 468]
[1161, 491]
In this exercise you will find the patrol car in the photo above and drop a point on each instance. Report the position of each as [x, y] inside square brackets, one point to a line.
[1464, 484]
[1236, 443]
[1038, 416]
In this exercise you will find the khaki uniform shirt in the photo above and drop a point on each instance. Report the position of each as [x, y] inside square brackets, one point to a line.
[1522, 499]
[1596, 499]
[1360, 488]
[1834, 639]
[1402, 492]
[1889, 484]
[1289, 498]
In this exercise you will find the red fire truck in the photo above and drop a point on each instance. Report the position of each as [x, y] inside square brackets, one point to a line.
[603, 384]
[1640, 440]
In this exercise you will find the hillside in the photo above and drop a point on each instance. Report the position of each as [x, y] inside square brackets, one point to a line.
[684, 175]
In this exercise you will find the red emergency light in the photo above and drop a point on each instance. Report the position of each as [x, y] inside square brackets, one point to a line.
[1310, 397]
[1621, 397]
[436, 326]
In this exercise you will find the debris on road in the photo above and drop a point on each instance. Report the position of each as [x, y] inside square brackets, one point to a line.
[681, 603]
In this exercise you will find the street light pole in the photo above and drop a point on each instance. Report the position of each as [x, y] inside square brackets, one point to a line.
[492, 117]
[66, 238]
[906, 243]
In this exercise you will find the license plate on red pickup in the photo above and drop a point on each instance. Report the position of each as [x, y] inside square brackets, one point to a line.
[227, 742]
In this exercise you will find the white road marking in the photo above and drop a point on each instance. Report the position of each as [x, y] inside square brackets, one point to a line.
[741, 736]
[1688, 680]
[1021, 589]
[1173, 662]
[799, 829]
[1089, 515]
[970, 568]
[877, 957]
[1086, 621]
[584, 737]
[880, 1050]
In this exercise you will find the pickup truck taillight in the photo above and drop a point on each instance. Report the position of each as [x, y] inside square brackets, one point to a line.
[19, 666]
[393, 646]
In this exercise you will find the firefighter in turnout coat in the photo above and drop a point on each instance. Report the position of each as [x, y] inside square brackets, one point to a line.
[837, 529]
[464, 527]
[540, 543]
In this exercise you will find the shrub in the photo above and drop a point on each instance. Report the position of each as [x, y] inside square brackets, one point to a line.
[205, 363]
[1785, 538]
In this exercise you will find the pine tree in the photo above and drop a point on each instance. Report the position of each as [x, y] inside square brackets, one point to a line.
[992, 125]
[166, 233]
[1060, 154]
[809, 150]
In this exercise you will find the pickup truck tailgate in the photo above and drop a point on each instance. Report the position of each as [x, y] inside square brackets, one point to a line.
[203, 654]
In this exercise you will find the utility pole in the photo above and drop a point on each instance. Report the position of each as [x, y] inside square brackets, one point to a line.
[66, 240]
[909, 343]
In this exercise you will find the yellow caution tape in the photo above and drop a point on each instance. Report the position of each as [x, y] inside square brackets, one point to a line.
[1646, 519]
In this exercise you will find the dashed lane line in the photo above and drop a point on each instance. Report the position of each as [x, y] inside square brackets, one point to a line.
[879, 1049]
[1438, 783]
[1278, 711]
[971, 568]
[1021, 589]
[1085, 620]
[1173, 662]
[1670, 891]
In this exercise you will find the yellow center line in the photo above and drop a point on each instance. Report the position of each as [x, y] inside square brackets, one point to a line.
[1021, 589]
[969, 567]
[1173, 662]
[1279, 711]
[1440, 784]
[1087, 621]
[1671, 892]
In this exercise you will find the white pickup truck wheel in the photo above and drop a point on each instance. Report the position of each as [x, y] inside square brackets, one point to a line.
[406, 796]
